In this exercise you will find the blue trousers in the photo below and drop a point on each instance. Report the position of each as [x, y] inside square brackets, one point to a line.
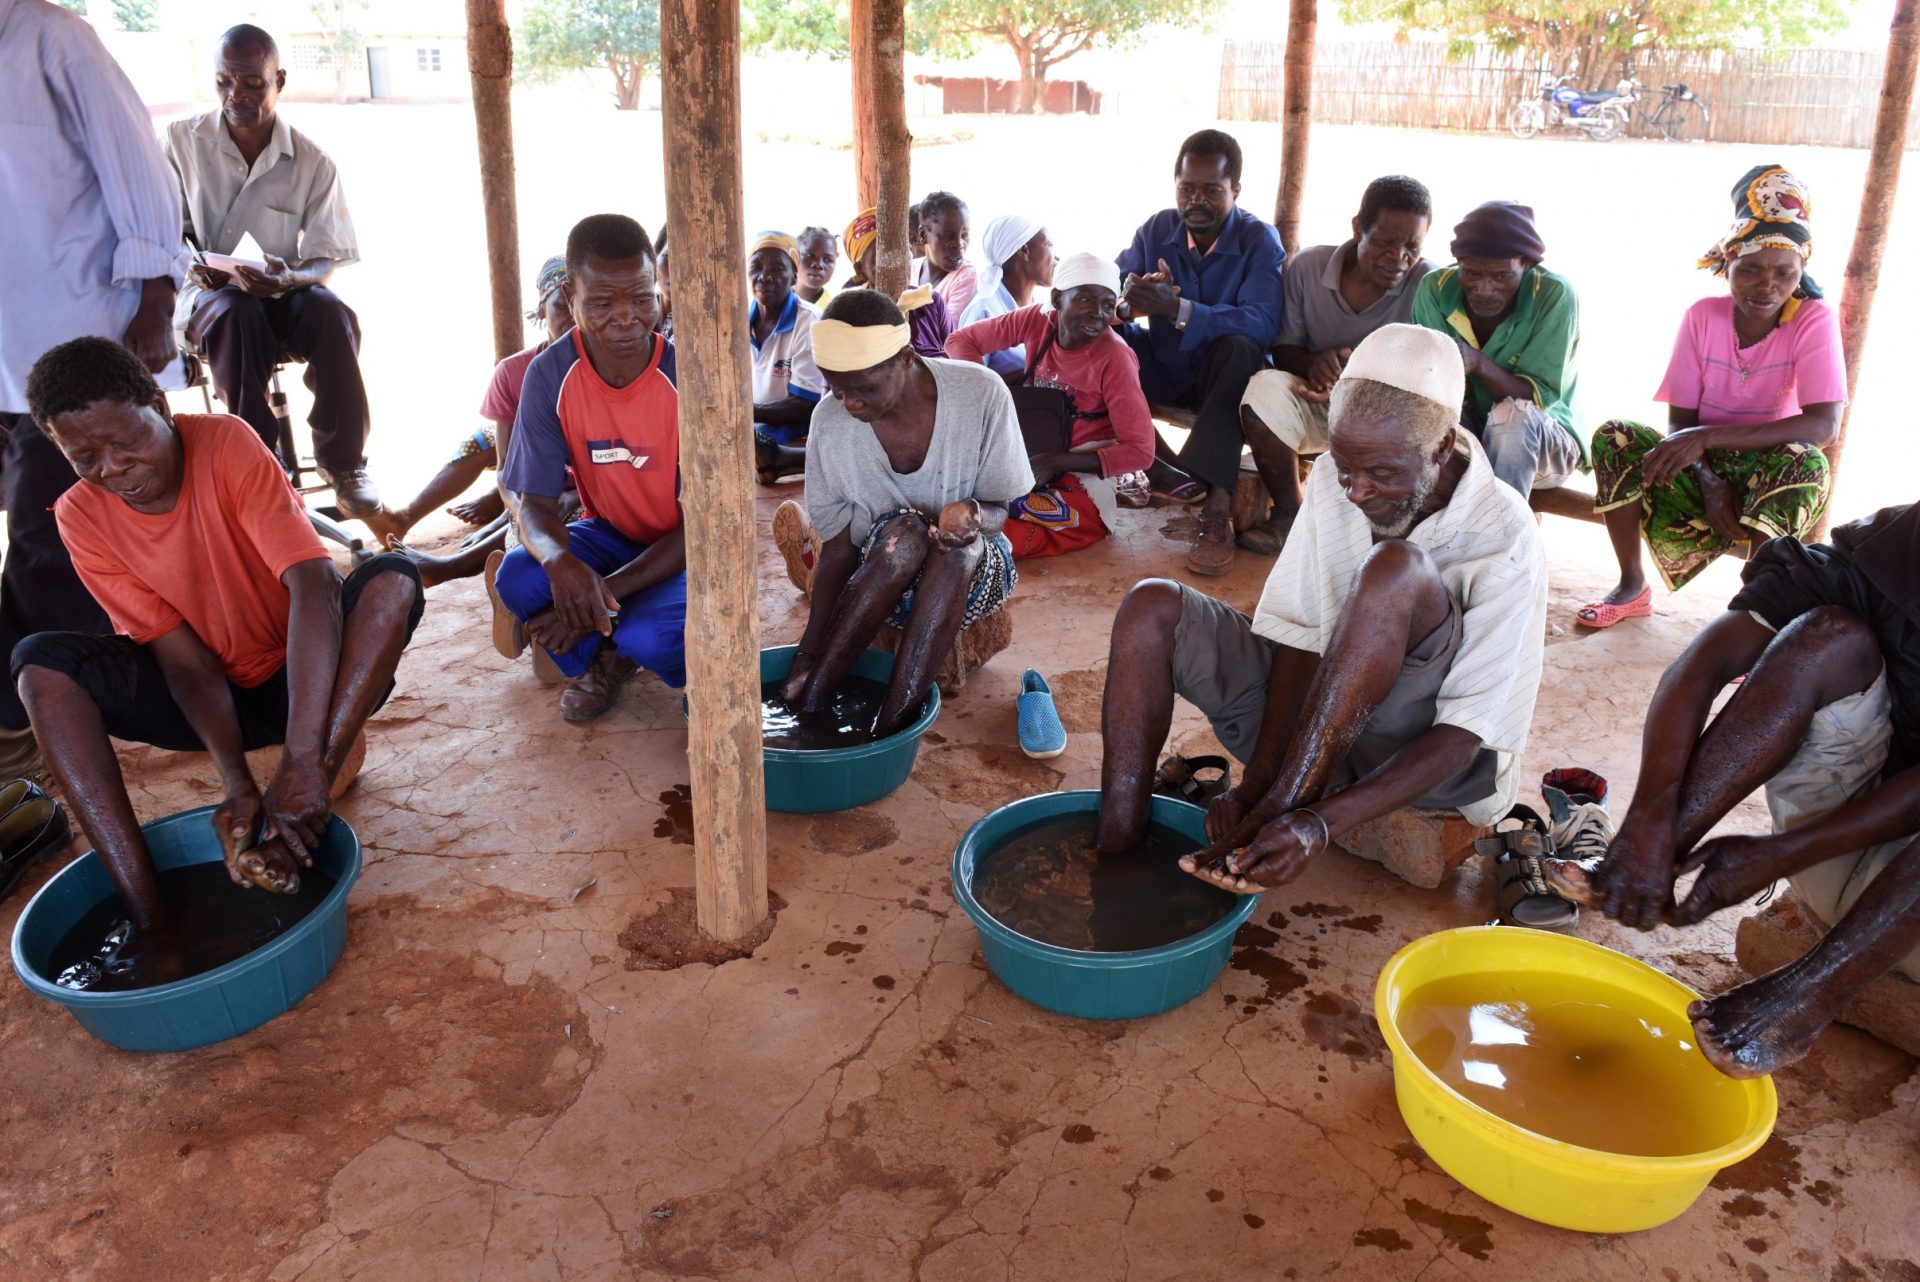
[651, 628]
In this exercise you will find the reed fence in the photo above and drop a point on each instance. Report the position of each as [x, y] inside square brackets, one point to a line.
[1823, 97]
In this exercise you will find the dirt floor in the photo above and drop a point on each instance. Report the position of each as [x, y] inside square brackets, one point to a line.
[496, 1083]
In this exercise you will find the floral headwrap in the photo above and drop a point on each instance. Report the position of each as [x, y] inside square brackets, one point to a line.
[776, 240]
[1771, 209]
[861, 233]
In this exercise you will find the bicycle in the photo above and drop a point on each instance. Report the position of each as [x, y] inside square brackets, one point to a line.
[1681, 116]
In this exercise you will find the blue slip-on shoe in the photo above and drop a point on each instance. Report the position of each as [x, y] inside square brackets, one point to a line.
[1041, 734]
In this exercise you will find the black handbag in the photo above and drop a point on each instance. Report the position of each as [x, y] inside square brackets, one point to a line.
[1046, 414]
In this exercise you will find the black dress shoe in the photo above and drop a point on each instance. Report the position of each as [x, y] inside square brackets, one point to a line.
[18, 792]
[353, 492]
[28, 832]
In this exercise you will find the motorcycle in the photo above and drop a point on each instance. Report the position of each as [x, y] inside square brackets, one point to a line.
[1558, 105]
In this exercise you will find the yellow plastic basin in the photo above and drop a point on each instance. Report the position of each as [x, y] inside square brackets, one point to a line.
[1530, 1174]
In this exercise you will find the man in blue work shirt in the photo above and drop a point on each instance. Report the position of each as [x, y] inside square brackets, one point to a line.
[1202, 288]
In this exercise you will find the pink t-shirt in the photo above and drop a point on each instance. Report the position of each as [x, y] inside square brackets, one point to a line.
[1797, 365]
[502, 400]
[1103, 378]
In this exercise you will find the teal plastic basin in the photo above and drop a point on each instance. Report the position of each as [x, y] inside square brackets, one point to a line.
[814, 782]
[1091, 985]
[211, 1007]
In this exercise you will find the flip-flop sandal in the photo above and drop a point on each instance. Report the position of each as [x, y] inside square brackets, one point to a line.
[1604, 614]
[1519, 855]
[1179, 777]
[1186, 494]
[509, 634]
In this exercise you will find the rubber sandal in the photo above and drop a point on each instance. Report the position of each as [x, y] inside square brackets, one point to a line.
[1604, 614]
[1179, 776]
[1519, 857]
[1186, 494]
[793, 535]
[509, 634]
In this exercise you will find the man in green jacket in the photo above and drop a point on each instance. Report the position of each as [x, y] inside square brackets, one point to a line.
[1518, 327]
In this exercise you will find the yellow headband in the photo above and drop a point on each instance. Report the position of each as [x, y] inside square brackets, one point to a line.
[841, 348]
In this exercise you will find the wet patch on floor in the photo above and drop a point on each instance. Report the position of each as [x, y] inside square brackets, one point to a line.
[986, 775]
[1338, 1024]
[669, 936]
[1252, 953]
[1384, 1239]
[403, 1032]
[1775, 1168]
[676, 817]
[1077, 696]
[851, 832]
[1467, 1234]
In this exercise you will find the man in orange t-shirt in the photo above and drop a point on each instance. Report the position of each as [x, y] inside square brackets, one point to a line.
[235, 632]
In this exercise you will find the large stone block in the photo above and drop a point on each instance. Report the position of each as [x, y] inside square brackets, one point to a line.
[1418, 846]
[1786, 928]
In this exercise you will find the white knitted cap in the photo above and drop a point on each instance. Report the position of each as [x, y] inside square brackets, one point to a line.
[1414, 359]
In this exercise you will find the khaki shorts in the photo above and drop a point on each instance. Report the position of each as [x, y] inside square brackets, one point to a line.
[1275, 398]
[1221, 666]
[1841, 758]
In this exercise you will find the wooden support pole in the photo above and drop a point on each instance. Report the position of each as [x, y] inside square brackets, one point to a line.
[1296, 127]
[882, 147]
[700, 103]
[1875, 228]
[490, 66]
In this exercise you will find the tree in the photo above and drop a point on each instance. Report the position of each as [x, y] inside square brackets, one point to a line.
[136, 15]
[1045, 33]
[1592, 33]
[1042, 33]
[74, 6]
[344, 40]
[621, 35]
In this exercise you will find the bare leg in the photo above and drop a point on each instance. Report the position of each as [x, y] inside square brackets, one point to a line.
[464, 564]
[371, 639]
[1768, 1023]
[1824, 655]
[73, 738]
[1398, 600]
[448, 484]
[864, 604]
[1136, 711]
[1820, 657]
[1623, 529]
[939, 605]
[1278, 465]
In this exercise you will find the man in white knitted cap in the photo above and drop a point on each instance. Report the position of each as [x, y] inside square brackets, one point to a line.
[1072, 349]
[1395, 654]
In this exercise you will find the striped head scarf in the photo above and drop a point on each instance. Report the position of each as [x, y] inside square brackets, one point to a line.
[777, 240]
[1772, 209]
[861, 233]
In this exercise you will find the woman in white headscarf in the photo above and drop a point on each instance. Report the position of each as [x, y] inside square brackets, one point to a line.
[1019, 261]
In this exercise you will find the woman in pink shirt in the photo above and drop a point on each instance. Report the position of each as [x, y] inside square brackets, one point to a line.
[1754, 389]
[1072, 347]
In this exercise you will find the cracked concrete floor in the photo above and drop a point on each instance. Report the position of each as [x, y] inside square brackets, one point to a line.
[484, 1090]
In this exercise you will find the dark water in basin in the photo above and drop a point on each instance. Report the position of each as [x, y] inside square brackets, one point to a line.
[847, 721]
[218, 922]
[1049, 884]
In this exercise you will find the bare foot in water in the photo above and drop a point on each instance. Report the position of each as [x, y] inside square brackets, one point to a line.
[1761, 1026]
[271, 866]
[1215, 873]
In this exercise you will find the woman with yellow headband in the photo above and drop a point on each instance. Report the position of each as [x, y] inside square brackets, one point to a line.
[1754, 389]
[911, 463]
